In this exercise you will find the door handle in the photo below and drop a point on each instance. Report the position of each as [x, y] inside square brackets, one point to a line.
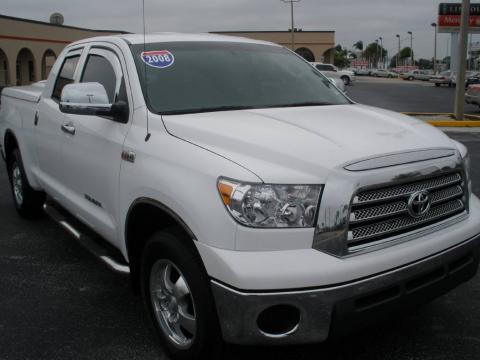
[68, 128]
[36, 118]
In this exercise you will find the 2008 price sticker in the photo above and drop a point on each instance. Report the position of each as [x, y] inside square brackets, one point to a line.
[160, 59]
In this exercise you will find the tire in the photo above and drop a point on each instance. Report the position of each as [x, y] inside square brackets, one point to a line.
[28, 202]
[437, 84]
[188, 292]
[390, 76]
[346, 80]
[410, 78]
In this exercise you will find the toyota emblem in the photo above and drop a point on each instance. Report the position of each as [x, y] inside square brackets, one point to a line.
[419, 203]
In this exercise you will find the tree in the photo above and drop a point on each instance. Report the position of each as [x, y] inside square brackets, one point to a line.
[424, 63]
[358, 45]
[341, 57]
[375, 53]
[405, 53]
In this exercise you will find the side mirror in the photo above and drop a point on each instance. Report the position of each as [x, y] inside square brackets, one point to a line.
[91, 99]
[338, 83]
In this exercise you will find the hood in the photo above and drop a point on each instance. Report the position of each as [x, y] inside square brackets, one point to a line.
[303, 144]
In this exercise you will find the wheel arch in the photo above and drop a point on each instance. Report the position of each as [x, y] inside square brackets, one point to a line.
[144, 217]
[10, 143]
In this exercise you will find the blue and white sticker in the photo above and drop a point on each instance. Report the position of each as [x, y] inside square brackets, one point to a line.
[160, 59]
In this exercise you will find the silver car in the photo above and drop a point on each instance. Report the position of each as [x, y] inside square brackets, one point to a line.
[384, 73]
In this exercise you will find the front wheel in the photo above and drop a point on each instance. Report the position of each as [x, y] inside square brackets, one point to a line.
[437, 84]
[346, 80]
[28, 202]
[410, 78]
[177, 296]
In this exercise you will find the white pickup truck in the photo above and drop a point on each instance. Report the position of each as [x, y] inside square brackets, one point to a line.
[248, 198]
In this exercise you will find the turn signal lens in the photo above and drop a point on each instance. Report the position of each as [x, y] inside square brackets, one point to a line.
[226, 191]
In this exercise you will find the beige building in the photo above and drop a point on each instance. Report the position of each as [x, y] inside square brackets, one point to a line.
[28, 48]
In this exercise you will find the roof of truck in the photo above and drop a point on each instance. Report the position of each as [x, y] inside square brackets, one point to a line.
[176, 37]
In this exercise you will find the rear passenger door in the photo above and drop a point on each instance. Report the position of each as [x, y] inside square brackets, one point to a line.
[93, 153]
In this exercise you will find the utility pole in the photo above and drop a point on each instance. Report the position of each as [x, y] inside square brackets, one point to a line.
[435, 49]
[462, 61]
[411, 48]
[381, 51]
[293, 20]
[376, 53]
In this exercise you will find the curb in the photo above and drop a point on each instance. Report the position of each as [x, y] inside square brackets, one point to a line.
[468, 121]
[454, 123]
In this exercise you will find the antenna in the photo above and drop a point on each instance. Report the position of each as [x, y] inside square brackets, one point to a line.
[145, 71]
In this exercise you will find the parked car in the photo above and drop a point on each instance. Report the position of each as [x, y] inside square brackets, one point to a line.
[363, 72]
[444, 78]
[468, 74]
[423, 75]
[384, 73]
[249, 201]
[472, 96]
[472, 79]
[330, 70]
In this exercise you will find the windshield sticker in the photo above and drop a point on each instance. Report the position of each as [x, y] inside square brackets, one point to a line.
[160, 59]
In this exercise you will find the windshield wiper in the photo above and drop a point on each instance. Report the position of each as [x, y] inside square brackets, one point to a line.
[202, 110]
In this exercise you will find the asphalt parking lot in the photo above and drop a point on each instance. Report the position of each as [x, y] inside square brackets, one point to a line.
[402, 95]
[57, 302]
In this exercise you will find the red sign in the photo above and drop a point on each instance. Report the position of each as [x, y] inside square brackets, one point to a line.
[454, 21]
[449, 17]
[359, 63]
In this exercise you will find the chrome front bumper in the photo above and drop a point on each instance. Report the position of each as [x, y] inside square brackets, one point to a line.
[337, 309]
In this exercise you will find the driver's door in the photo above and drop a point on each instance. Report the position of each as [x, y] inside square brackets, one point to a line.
[94, 147]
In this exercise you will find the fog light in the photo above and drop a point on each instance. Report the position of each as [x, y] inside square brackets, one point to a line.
[279, 320]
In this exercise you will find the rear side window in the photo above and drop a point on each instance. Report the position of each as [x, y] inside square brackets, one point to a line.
[99, 69]
[324, 68]
[65, 76]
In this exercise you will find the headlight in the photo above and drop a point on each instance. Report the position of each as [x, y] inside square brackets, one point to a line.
[271, 206]
[467, 163]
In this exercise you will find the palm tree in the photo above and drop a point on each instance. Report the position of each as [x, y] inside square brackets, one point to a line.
[358, 45]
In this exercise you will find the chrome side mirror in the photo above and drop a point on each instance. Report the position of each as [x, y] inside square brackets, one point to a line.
[91, 99]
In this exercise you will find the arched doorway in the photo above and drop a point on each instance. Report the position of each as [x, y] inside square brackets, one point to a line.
[4, 80]
[329, 56]
[48, 59]
[25, 67]
[306, 53]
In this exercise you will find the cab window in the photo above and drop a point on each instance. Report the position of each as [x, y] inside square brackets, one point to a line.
[99, 69]
[66, 75]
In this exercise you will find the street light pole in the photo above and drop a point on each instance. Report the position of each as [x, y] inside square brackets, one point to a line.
[292, 20]
[398, 54]
[411, 48]
[381, 51]
[435, 49]
[462, 61]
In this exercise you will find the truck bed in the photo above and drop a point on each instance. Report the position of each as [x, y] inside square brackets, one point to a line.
[29, 93]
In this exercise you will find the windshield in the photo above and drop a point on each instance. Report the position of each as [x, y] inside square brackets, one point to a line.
[190, 77]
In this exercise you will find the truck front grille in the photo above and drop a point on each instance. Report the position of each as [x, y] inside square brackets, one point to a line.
[382, 213]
